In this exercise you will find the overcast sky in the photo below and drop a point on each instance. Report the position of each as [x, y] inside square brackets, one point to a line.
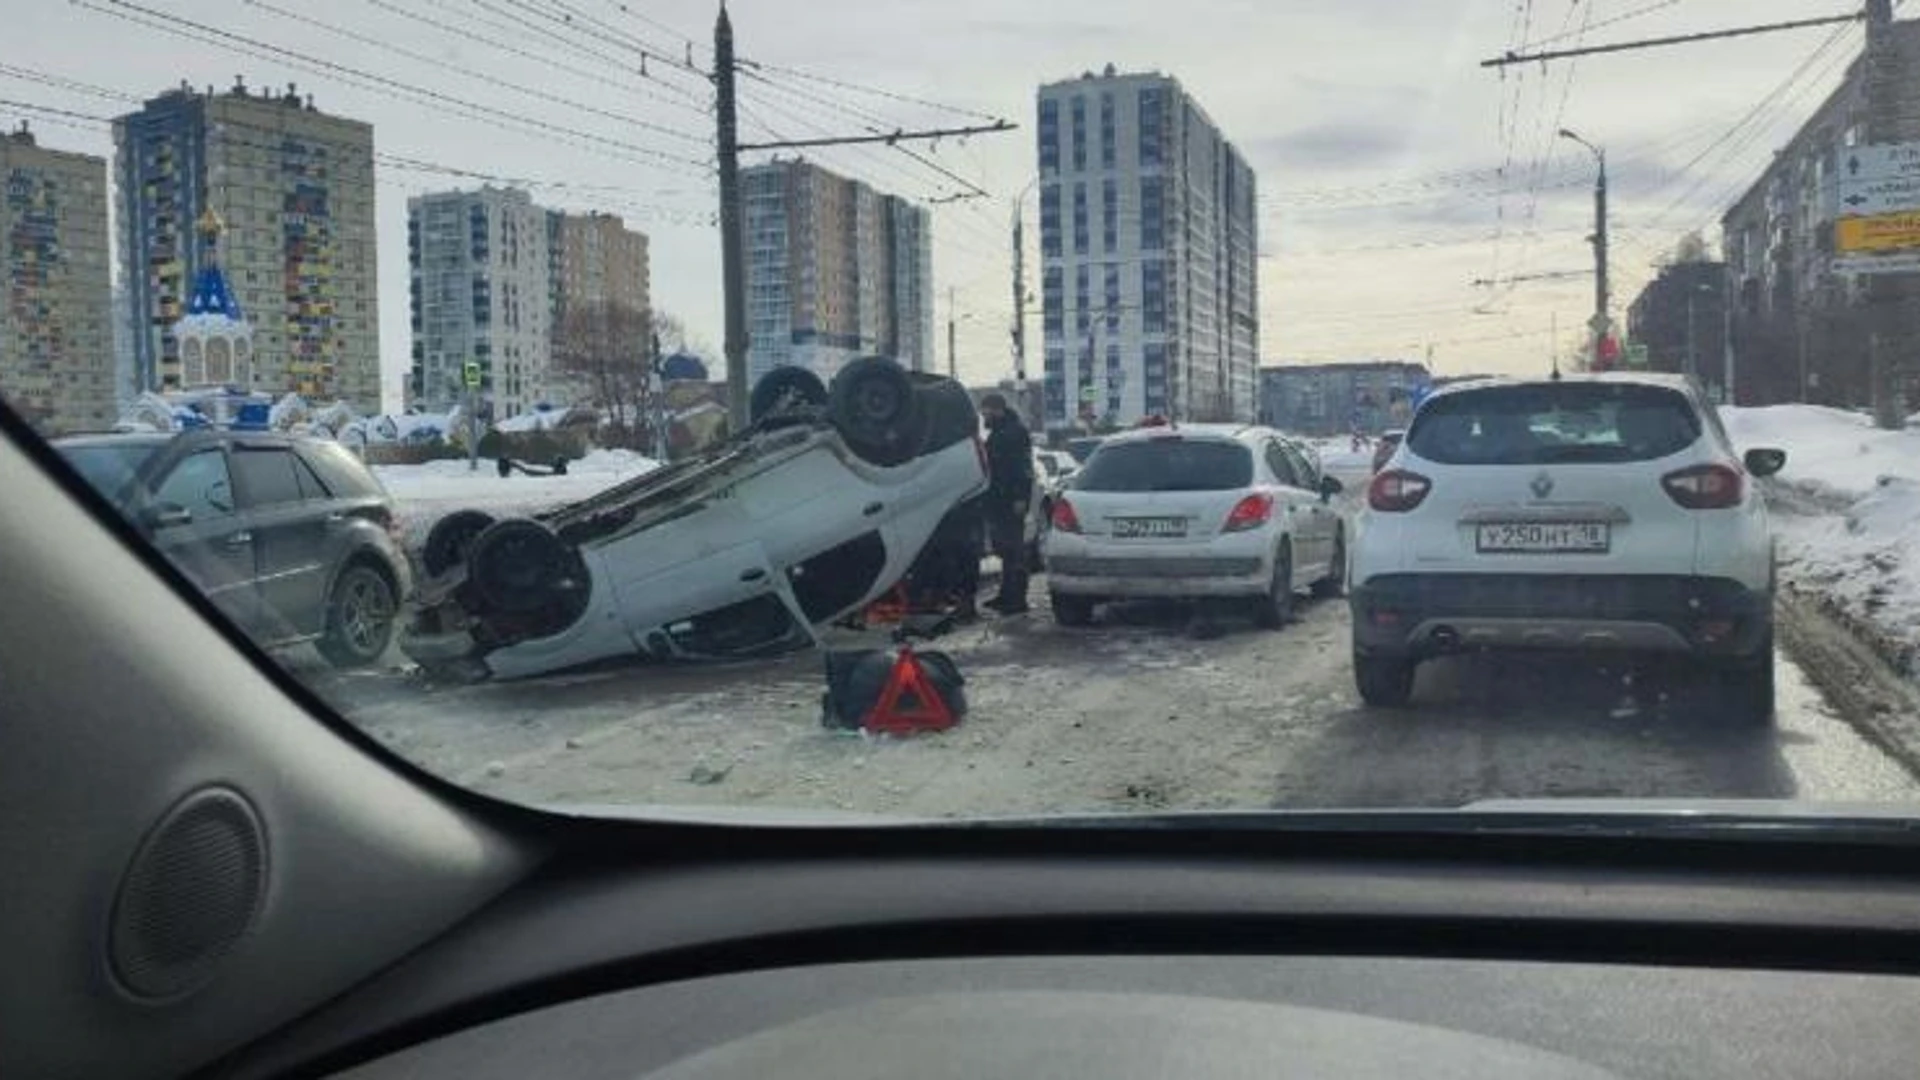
[1393, 170]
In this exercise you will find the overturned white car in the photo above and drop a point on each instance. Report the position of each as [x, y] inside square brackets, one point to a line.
[814, 512]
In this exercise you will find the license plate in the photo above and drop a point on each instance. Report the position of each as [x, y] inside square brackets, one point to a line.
[1544, 537]
[1148, 528]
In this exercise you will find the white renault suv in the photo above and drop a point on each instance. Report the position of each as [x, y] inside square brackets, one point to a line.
[1195, 512]
[1605, 513]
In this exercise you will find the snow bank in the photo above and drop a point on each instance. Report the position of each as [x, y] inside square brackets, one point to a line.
[1847, 510]
[427, 491]
[1831, 453]
[540, 419]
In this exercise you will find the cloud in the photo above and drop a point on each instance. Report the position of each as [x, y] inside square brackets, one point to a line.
[1323, 145]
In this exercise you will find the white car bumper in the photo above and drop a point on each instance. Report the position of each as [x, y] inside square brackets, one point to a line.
[1233, 565]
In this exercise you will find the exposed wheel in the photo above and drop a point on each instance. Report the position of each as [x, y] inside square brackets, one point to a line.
[947, 409]
[1335, 582]
[1384, 682]
[877, 411]
[1275, 609]
[1071, 610]
[451, 538]
[783, 389]
[360, 617]
[519, 566]
[1746, 689]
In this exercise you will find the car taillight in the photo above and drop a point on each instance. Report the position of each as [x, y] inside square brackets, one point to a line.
[1250, 513]
[1705, 487]
[1397, 491]
[1064, 519]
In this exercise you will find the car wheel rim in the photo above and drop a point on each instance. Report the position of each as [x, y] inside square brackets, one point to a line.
[364, 614]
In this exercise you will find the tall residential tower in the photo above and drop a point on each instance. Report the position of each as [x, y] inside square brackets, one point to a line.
[294, 187]
[1149, 255]
[835, 271]
[482, 290]
[56, 337]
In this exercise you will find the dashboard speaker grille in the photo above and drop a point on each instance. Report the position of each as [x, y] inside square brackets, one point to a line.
[191, 893]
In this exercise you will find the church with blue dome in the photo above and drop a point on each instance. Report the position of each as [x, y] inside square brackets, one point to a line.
[216, 341]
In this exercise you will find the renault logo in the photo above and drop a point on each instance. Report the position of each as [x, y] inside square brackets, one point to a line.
[1542, 485]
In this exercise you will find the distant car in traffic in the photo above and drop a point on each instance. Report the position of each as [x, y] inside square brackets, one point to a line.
[1384, 447]
[811, 514]
[290, 537]
[1082, 448]
[1600, 514]
[1196, 512]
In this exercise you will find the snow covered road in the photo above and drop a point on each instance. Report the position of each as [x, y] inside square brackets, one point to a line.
[1135, 714]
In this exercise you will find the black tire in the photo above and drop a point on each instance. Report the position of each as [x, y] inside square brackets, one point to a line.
[1384, 682]
[362, 609]
[1335, 583]
[519, 566]
[948, 411]
[1746, 691]
[1071, 610]
[451, 538]
[1275, 609]
[874, 405]
[785, 389]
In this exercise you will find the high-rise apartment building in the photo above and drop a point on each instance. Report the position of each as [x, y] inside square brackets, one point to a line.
[1149, 244]
[56, 332]
[835, 271]
[599, 260]
[294, 187]
[482, 290]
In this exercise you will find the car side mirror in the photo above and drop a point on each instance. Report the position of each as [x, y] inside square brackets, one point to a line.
[1330, 486]
[1765, 462]
[165, 515]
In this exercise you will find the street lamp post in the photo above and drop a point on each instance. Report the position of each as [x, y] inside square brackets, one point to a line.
[1693, 336]
[1020, 300]
[1600, 297]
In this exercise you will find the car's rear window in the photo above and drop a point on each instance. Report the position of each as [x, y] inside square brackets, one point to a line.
[1168, 464]
[108, 466]
[1551, 423]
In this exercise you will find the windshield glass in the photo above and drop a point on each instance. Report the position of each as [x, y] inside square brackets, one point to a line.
[1565, 423]
[1226, 406]
[1168, 464]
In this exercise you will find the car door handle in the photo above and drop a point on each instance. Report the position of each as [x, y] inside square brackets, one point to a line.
[873, 508]
[238, 540]
[754, 574]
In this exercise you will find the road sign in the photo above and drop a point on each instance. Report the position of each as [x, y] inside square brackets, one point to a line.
[1879, 179]
[471, 374]
[1882, 232]
[1900, 262]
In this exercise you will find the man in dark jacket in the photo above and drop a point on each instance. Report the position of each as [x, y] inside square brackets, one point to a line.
[1009, 490]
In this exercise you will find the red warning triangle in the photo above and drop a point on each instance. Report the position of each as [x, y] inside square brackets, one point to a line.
[909, 702]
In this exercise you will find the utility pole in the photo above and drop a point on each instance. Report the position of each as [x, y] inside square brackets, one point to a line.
[1599, 323]
[1884, 294]
[953, 363]
[733, 279]
[1020, 308]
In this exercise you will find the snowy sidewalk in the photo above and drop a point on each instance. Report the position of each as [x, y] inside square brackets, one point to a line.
[1847, 516]
[425, 493]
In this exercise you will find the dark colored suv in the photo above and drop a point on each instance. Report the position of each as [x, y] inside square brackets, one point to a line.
[292, 538]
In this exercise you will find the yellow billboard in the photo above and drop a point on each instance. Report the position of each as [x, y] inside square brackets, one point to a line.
[1881, 232]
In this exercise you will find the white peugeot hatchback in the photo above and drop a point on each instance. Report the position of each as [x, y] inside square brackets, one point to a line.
[1195, 512]
[1600, 513]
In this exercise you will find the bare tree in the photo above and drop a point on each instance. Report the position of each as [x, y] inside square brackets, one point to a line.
[603, 350]
[668, 331]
